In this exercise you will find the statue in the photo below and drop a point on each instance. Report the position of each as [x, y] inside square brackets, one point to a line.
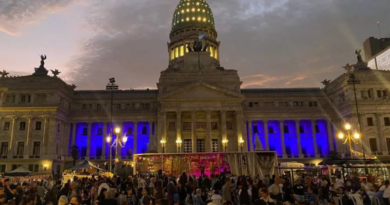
[348, 67]
[258, 145]
[197, 47]
[326, 82]
[152, 144]
[55, 72]
[3, 73]
[73, 86]
[43, 58]
[358, 52]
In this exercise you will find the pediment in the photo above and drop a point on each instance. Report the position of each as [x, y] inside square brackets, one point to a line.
[200, 91]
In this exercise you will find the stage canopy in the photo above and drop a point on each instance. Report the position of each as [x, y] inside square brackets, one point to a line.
[20, 171]
[85, 165]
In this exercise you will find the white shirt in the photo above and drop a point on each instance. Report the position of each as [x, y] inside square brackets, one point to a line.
[386, 191]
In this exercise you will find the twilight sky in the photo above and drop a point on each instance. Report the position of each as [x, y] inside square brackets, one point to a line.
[272, 43]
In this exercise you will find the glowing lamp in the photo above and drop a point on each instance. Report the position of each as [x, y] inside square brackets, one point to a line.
[162, 141]
[108, 139]
[124, 139]
[356, 135]
[117, 130]
[347, 126]
[341, 135]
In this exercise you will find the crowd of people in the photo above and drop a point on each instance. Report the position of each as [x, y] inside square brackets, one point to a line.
[191, 190]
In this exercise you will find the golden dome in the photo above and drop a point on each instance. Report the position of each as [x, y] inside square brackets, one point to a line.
[192, 13]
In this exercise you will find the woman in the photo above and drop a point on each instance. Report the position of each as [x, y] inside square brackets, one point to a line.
[386, 192]
[197, 197]
[101, 196]
[110, 198]
[244, 195]
[63, 200]
[265, 198]
[158, 192]
[173, 196]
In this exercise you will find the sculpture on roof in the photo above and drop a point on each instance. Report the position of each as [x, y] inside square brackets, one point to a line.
[326, 82]
[43, 58]
[348, 67]
[198, 45]
[3, 73]
[73, 86]
[55, 72]
[358, 52]
[258, 145]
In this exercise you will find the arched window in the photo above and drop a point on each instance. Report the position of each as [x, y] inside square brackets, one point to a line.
[176, 52]
[211, 51]
[181, 50]
[172, 54]
[216, 54]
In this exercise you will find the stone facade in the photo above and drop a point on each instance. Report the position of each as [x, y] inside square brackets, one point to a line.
[198, 103]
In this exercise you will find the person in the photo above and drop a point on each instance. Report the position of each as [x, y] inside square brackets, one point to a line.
[226, 193]
[130, 198]
[265, 198]
[386, 192]
[244, 195]
[63, 200]
[110, 198]
[197, 197]
[76, 200]
[216, 198]
[312, 200]
[31, 199]
[8, 190]
[275, 191]
[299, 191]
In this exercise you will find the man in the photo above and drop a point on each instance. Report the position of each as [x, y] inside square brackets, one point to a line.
[226, 192]
[76, 200]
[366, 185]
[275, 190]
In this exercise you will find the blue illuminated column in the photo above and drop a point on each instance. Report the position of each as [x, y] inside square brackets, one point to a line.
[119, 136]
[135, 132]
[298, 134]
[313, 129]
[282, 138]
[250, 127]
[74, 137]
[330, 135]
[89, 124]
[266, 135]
[104, 135]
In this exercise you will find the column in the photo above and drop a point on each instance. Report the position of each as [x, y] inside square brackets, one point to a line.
[313, 129]
[89, 140]
[363, 136]
[2, 97]
[119, 136]
[382, 140]
[281, 127]
[223, 124]
[74, 126]
[161, 130]
[27, 145]
[193, 131]
[330, 135]
[209, 141]
[135, 138]
[150, 134]
[11, 141]
[250, 127]
[178, 128]
[265, 122]
[239, 126]
[104, 141]
[297, 132]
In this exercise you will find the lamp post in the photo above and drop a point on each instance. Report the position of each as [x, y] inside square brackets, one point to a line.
[178, 144]
[224, 143]
[353, 80]
[162, 142]
[347, 137]
[118, 142]
[241, 142]
[111, 86]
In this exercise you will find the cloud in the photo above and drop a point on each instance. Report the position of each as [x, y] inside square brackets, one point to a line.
[283, 42]
[15, 14]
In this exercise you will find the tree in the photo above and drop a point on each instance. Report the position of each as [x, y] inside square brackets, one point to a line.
[74, 151]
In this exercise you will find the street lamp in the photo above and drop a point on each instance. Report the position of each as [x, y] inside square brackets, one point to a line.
[224, 143]
[178, 144]
[162, 141]
[353, 80]
[241, 142]
[118, 142]
[347, 137]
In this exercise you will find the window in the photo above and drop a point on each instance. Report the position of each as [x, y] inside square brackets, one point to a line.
[84, 106]
[172, 126]
[370, 121]
[38, 125]
[255, 129]
[10, 99]
[304, 152]
[37, 149]
[317, 129]
[384, 93]
[2, 168]
[85, 130]
[100, 131]
[98, 106]
[214, 126]
[387, 121]
[373, 145]
[369, 93]
[25, 99]
[270, 129]
[187, 146]
[214, 145]
[312, 103]
[250, 104]
[363, 93]
[285, 129]
[144, 130]
[118, 106]
[388, 143]
[20, 149]
[295, 103]
[4, 149]
[186, 126]
[229, 126]
[6, 125]
[22, 126]
[288, 150]
[129, 131]
[200, 147]
[379, 93]
[301, 129]
[268, 104]
[201, 125]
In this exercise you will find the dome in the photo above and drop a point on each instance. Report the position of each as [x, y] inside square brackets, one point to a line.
[192, 13]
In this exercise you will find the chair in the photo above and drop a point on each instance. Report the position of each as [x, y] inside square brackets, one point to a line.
[357, 199]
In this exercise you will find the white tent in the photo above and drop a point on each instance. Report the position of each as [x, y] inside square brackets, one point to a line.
[20, 171]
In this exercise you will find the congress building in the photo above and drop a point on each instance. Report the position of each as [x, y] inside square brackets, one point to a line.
[198, 107]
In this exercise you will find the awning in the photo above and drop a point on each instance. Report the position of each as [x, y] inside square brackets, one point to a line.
[20, 171]
[85, 165]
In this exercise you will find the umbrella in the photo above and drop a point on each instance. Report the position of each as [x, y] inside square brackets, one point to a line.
[20, 171]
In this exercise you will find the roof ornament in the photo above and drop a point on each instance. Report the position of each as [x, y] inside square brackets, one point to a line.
[348, 67]
[41, 71]
[4, 73]
[358, 52]
[326, 82]
[55, 72]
